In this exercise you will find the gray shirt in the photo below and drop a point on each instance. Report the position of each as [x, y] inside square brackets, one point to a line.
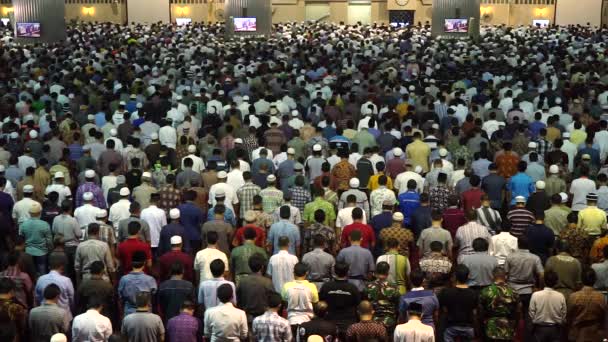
[361, 263]
[47, 320]
[123, 229]
[522, 267]
[431, 234]
[142, 326]
[320, 264]
[93, 250]
[601, 270]
[224, 232]
[362, 201]
[69, 228]
[481, 267]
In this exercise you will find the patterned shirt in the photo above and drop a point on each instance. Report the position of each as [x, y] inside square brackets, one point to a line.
[319, 204]
[341, 174]
[270, 327]
[184, 328]
[403, 235]
[272, 198]
[98, 199]
[543, 146]
[436, 267]
[507, 164]
[578, 241]
[274, 138]
[377, 198]
[299, 197]
[318, 229]
[384, 298]
[331, 197]
[366, 331]
[499, 303]
[521, 219]
[245, 194]
[170, 197]
[439, 197]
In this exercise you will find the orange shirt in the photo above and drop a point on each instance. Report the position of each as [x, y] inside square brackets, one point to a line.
[507, 164]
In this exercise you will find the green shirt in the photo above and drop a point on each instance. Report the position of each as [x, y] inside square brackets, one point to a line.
[239, 258]
[364, 139]
[556, 219]
[319, 203]
[298, 145]
[38, 238]
[499, 303]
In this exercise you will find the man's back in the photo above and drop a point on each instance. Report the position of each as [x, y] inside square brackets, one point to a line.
[142, 326]
[47, 320]
[414, 330]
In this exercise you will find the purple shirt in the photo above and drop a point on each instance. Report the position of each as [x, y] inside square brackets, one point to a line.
[183, 328]
[98, 199]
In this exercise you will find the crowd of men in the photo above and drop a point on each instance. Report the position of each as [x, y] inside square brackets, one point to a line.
[326, 183]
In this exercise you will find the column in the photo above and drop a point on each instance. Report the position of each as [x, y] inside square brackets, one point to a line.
[49, 14]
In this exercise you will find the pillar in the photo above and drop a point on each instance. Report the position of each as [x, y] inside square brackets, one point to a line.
[49, 13]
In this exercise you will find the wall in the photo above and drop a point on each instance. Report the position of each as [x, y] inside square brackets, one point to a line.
[515, 15]
[148, 11]
[259, 9]
[579, 12]
[445, 9]
[49, 13]
[284, 13]
[114, 13]
[379, 12]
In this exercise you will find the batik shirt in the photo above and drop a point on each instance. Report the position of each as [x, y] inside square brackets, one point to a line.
[384, 297]
[499, 302]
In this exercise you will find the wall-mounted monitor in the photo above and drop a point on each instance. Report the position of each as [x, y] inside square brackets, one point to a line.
[245, 24]
[28, 30]
[456, 25]
[183, 21]
[540, 22]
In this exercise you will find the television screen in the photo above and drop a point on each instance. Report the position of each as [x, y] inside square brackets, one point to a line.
[456, 25]
[540, 22]
[245, 25]
[183, 21]
[28, 30]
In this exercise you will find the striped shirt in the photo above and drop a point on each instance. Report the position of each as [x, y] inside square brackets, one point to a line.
[520, 219]
[270, 327]
[465, 236]
[489, 217]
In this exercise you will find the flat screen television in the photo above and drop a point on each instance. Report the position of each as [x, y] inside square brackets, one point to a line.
[245, 24]
[456, 25]
[183, 21]
[28, 30]
[540, 22]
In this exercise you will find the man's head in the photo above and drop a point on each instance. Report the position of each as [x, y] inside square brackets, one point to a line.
[320, 309]
[341, 270]
[217, 268]
[300, 270]
[225, 293]
[551, 279]
[382, 270]
[480, 245]
[461, 273]
[212, 237]
[52, 292]
[365, 310]
[357, 214]
[283, 242]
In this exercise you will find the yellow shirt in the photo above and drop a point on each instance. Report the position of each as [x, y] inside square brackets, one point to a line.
[373, 182]
[578, 136]
[418, 153]
[592, 220]
[597, 251]
[402, 108]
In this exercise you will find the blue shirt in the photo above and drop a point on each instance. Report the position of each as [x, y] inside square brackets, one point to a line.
[207, 292]
[541, 240]
[130, 285]
[76, 151]
[100, 119]
[425, 298]
[284, 228]
[66, 297]
[191, 217]
[166, 232]
[228, 216]
[535, 128]
[409, 201]
[520, 185]
[382, 220]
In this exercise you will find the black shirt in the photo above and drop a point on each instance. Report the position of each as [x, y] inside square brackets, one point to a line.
[171, 295]
[541, 240]
[318, 326]
[252, 294]
[459, 304]
[342, 299]
[538, 202]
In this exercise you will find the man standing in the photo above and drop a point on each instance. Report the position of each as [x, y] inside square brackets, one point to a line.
[523, 269]
[366, 329]
[414, 329]
[383, 296]
[480, 265]
[360, 260]
[460, 305]
[586, 311]
[498, 305]
[503, 243]
[270, 326]
[38, 238]
[92, 325]
[280, 265]
[300, 296]
[281, 229]
[520, 217]
[465, 235]
[156, 219]
[225, 322]
[142, 325]
[548, 310]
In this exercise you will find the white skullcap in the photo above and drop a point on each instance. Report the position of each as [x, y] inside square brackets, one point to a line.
[540, 185]
[238, 141]
[222, 175]
[101, 213]
[87, 196]
[28, 188]
[191, 149]
[418, 169]
[397, 152]
[113, 132]
[271, 178]
[354, 182]
[176, 239]
[33, 134]
[146, 175]
[58, 338]
[89, 173]
[124, 191]
[317, 147]
[520, 199]
[154, 136]
[554, 169]
[398, 216]
[295, 113]
[174, 213]
[532, 144]
[291, 151]
[59, 174]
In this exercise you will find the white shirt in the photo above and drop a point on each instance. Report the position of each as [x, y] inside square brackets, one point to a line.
[203, 259]
[119, 211]
[91, 326]
[231, 197]
[108, 182]
[255, 154]
[414, 331]
[579, 189]
[501, 245]
[278, 159]
[280, 268]
[235, 179]
[226, 323]
[26, 161]
[401, 180]
[156, 219]
[21, 209]
[345, 217]
[197, 163]
[167, 136]
[571, 150]
[296, 123]
[601, 139]
[85, 214]
[62, 190]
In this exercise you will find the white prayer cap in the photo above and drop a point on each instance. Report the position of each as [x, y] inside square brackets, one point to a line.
[87, 196]
[174, 213]
[124, 191]
[191, 149]
[89, 173]
[176, 239]
[354, 182]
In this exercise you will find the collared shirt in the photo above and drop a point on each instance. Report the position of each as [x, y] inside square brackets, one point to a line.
[522, 268]
[69, 228]
[207, 292]
[119, 211]
[98, 199]
[427, 236]
[184, 328]
[204, 258]
[127, 248]
[229, 191]
[318, 229]
[320, 264]
[142, 326]
[592, 220]
[37, 234]
[47, 320]
[499, 302]
[481, 267]
[587, 309]
[91, 326]
[239, 258]
[270, 327]
[556, 219]
[284, 228]
[601, 270]
[399, 269]
[319, 204]
[66, 297]
[225, 323]
[93, 250]
[465, 236]
[367, 330]
[245, 196]
[502, 245]
[378, 197]
[300, 295]
[580, 188]
[272, 198]
[156, 219]
[361, 263]
[548, 307]
[520, 185]
[414, 331]
[132, 284]
[521, 219]
[280, 268]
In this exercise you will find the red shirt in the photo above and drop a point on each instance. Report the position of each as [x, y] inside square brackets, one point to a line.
[367, 235]
[452, 219]
[471, 199]
[239, 235]
[127, 248]
[168, 259]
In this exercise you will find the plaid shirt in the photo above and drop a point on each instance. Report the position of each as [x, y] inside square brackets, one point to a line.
[251, 143]
[184, 328]
[245, 195]
[270, 327]
[272, 198]
[299, 197]
[542, 147]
